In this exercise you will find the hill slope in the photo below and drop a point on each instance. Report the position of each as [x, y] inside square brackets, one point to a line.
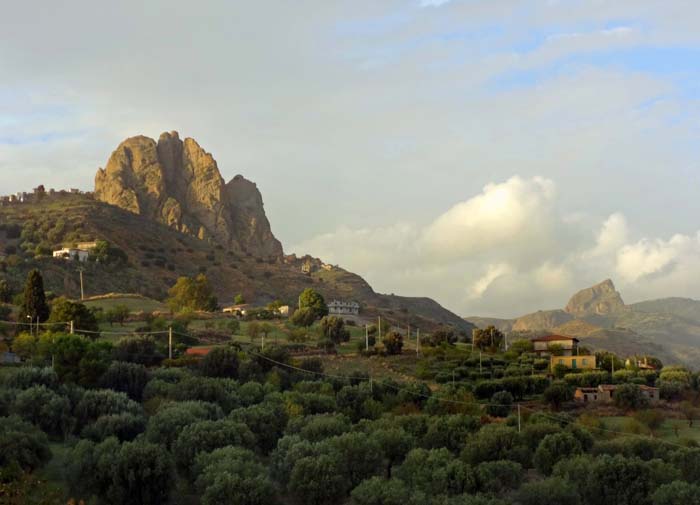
[158, 254]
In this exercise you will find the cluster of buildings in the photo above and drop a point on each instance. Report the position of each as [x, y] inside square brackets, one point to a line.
[81, 252]
[35, 195]
[564, 351]
[343, 308]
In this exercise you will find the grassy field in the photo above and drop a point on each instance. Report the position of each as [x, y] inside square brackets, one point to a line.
[671, 430]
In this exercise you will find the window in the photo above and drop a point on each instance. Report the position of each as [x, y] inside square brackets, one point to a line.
[584, 361]
[561, 361]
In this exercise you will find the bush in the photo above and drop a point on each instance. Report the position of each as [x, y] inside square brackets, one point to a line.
[129, 378]
[220, 362]
[45, 409]
[552, 491]
[629, 397]
[553, 449]
[498, 476]
[22, 444]
[125, 427]
[501, 404]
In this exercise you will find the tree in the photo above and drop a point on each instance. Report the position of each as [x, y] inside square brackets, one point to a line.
[64, 310]
[393, 342]
[443, 335]
[552, 491]
[303, 317]
[167, 424]
[333, 327]
[253, 330]
[490, 337]
[103, 402]
[233, 326]
[205, 436]
[5, 292]
[437, 472]
[690, 412]
[125, 427]
[22, 444]
[312, 299]
[238, 299]
[232, 476]
[677, 493]
[107, 254]
[45, 409]
[557, 394]
[395, 443]
[377, 491]
[117, 314]
[629, 397]
[501, 404]
[553, 449]
[129, 378]
[220, 362]
[192, 294]
[142, 473]
[138, 349]
[34, 304]
[327, 484]
[498, 476]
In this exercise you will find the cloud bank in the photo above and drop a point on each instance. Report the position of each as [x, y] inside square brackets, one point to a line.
[508, 250]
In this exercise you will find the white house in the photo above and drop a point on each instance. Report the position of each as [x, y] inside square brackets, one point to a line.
[338, 307]
[70, 253]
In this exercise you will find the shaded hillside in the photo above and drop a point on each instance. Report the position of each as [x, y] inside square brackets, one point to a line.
[685, 308]
[541, 320]
[627, 343]
[484, 322]
[158, 254]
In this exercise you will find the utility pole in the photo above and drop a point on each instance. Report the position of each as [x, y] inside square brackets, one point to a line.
[82, 291]
[72, 327]
[170, 342]
[31, 320]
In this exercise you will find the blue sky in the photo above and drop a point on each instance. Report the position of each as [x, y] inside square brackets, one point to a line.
[395, 114]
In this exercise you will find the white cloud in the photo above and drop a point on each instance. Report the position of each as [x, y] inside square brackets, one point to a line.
[507, 251]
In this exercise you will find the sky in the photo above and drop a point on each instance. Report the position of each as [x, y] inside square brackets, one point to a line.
[496, 155]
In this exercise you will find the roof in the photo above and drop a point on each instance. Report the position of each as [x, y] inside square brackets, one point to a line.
[588, 390]
[551, 338]
[198, 351]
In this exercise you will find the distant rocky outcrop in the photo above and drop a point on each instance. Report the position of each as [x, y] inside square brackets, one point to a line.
[541, 320]
[179, 184]
[599, 300]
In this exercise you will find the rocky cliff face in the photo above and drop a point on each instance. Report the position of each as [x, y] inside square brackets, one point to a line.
[601, 299]
[179, 184]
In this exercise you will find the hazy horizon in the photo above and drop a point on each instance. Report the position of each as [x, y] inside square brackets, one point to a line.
[492, 156]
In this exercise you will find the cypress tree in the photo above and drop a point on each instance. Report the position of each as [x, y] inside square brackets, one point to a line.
[34, 298]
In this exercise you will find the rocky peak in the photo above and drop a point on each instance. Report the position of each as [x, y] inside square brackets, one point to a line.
[179, 184]
[600, 299]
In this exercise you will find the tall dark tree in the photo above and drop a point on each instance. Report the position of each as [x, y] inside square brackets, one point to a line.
[35, 305]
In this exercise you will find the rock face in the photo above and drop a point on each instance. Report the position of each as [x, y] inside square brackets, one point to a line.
[601, 299]
[179, 184]
[542, 320]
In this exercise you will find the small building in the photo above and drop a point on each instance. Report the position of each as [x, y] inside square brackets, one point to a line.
[9, 358]
[338, 307]
[589, 395]
[240, 309]
[583, 362]
[565, 346]
[640, 364]
[283, 310]
[70, 253]
[606, 392]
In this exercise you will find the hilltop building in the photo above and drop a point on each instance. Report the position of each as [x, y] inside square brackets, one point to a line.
[338, 307]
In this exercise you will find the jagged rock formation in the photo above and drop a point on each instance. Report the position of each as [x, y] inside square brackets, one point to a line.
[601, 299]
[179, 184]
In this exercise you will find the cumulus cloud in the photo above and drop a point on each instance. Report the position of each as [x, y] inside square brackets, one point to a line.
[507, 251]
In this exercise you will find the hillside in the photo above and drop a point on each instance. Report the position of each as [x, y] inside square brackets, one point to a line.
[668, 328]
[158, 254]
